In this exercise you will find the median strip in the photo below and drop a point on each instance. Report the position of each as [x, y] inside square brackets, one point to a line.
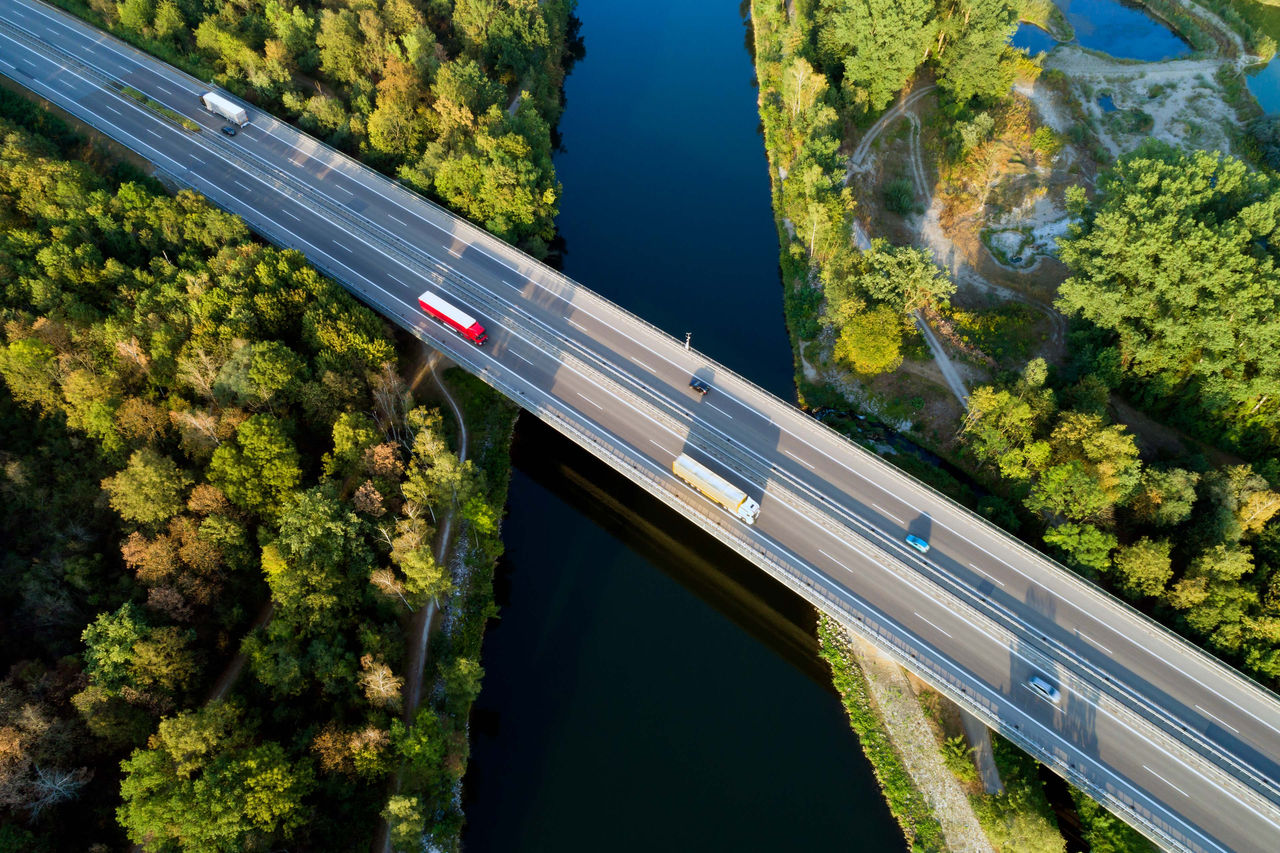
[160, 109]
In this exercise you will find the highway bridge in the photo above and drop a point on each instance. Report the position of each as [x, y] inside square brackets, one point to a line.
[1180, 746]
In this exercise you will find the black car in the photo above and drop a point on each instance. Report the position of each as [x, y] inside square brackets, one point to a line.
[698, 385]
[230, 129]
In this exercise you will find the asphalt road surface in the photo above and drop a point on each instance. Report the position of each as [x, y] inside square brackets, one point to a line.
[1179, 745]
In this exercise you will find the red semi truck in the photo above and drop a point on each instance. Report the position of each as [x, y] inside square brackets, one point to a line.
[453, 317]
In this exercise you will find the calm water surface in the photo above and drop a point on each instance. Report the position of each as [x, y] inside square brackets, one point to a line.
[646, 689]
[1118, 29]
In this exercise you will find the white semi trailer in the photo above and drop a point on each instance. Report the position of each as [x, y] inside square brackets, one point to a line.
[218, 105]
[716, 487]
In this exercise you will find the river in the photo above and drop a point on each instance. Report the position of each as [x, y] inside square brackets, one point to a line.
[645, 688]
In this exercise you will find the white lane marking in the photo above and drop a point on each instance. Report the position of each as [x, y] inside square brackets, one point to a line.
[1082, 635]
[874, 564]
[574, 322]
[109, 107]
[241, 186]
[720, 410]
[519, 356]
[1212, 717]
[888, 514]
[455, 252]
[834, 560]
[798, 459]
[344, 248]
[398, 219]
[645, 366]
[153, 133]
[931, 625]
[989, 577]
[292, 216]
[1166, 781]
[589, 400]
[660, 447]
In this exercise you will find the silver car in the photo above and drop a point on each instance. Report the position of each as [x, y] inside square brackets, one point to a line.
[1044, 688]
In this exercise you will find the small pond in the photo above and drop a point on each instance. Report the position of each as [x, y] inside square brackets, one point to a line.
[1033, 40]
[1265, 85]
[1115, 28]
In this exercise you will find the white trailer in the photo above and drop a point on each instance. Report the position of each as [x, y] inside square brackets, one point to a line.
[716, 487]
[218, 105]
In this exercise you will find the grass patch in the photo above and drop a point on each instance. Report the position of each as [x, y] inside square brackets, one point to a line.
[1005, 332]
[159, 108]
[1106, 833]
[1020, 820]
[900, 196]
[1046, 15]
[908, 805]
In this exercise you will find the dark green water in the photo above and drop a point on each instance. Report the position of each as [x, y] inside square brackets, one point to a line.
[645, 689]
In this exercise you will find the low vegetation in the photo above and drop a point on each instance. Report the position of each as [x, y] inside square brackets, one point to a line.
[159, 108]
[908, 805]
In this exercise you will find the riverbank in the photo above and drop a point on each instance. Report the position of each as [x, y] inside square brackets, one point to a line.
[988, 186]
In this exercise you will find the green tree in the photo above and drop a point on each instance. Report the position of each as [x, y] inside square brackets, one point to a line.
[1165, 498]
[1070, 491]
[109, 643]
[877, 45]
[1213, 597]
[150, 490]
[1084, 546]
[260, 468]
[1177, 260]
[353, 434]
[406, 821]
[903, 277]
[313, 565]
[1143, 568]
[203, 784]
[870, 342]
[976, 60]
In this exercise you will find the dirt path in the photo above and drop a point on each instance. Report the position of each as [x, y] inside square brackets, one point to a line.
[931, 235]
[421, 629]
[914, 739]
[236, 665]
[426, 618]
[954, 381]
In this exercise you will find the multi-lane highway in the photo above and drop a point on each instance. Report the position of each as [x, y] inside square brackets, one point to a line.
[1176, 743]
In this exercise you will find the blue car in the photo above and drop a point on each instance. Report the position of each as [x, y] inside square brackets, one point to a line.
[918, 543]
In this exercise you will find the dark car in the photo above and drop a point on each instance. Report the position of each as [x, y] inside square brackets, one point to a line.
[698, 385]
[230, 129]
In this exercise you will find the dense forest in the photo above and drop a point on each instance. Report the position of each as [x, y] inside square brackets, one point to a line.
[210, 451]
[1174, 281]
[1172, 299]
[1174, 287]
[458, 98]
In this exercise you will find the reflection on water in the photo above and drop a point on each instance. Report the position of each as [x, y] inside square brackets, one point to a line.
[647, 689]
[1122, 30]
[1033, 40]
[1118, 29]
